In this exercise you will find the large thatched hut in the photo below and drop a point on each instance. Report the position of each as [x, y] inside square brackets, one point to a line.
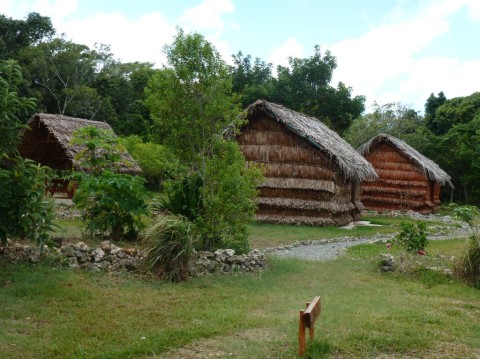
[311, 173]
[47, 141]
[407, 179]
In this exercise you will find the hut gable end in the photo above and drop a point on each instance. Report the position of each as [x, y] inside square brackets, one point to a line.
[48, 141]
[309, 177]
[407, 179]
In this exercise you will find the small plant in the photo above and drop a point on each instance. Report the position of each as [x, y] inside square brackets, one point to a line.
[169, 246]
[413, 237]
[470, 265]
[184, 198]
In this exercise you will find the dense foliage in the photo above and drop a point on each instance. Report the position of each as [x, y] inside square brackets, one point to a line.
[196, 95]
[112, 203]
[24, 211]
[192, 104]
[303, 86]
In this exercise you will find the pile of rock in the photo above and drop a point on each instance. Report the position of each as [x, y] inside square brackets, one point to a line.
[226, 261]
[109, 257]
[20, 252]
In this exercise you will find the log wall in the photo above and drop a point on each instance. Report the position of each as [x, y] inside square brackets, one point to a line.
[302, 185]
[402, 186]
[40, 145]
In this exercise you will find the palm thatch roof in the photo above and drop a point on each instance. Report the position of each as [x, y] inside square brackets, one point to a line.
[431, 170]
[352, 165]
[50, 136]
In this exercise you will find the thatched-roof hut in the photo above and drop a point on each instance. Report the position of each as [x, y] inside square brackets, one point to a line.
[312, 174]
[47, 141]
[407, 179]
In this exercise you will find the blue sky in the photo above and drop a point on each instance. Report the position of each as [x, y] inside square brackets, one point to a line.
[386, 50]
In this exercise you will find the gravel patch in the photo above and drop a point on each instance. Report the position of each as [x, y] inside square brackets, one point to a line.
[329, 249]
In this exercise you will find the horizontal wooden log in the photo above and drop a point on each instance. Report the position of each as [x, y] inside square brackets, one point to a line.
[300, 183]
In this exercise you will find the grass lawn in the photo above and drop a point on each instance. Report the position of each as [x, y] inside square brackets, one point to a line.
[272, 235]
[57, 313]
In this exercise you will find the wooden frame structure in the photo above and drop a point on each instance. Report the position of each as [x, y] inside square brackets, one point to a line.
[307, 320]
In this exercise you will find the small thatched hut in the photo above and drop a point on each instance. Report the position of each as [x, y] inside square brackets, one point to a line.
[47, 141]
[407, 179]
[312, 174]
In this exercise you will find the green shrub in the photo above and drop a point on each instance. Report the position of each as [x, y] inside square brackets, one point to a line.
[221, 204]
[470, 264]
[413, 237]
[24, 210]
[112, 203]
[229, 192]
[470, 268]
[169, 246]
[184, 198]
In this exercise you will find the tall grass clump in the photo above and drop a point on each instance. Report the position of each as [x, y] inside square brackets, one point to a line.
[470, 264]
[168, 246]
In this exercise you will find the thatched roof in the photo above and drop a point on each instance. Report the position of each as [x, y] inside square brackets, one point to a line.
[431, 170]
[352, 165]
[60, 131]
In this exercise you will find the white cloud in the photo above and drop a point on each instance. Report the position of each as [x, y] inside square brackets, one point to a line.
[54, 8]
[474, 9]
[207, 19]
[280, 54]
[386, 65]
[207, 16]
[141, 39]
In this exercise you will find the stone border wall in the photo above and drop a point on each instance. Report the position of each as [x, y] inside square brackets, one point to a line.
[109, 257]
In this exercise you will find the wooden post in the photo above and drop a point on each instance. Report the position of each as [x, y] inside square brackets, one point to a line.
[307, 320]
[302, 343]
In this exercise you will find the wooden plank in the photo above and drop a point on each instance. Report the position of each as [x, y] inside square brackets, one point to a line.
[302, 343]
[312, 313]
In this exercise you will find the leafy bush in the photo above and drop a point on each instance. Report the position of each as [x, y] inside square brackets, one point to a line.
[169, 246]
[470, 265]
[183, 198]
[24, 210]
[229, 192]
[158, 162]
[112, 202]
[413, 237]
[220, 205]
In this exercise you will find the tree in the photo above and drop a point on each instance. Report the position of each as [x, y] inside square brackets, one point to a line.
[192, 104]
[122, 86]
[304, 86]
[63, 72]
[458, 153]
[24, 212]
[454, 111]
[191, 101]
[431, 106]
[393, 118]
[20, 34]
[252, 81]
